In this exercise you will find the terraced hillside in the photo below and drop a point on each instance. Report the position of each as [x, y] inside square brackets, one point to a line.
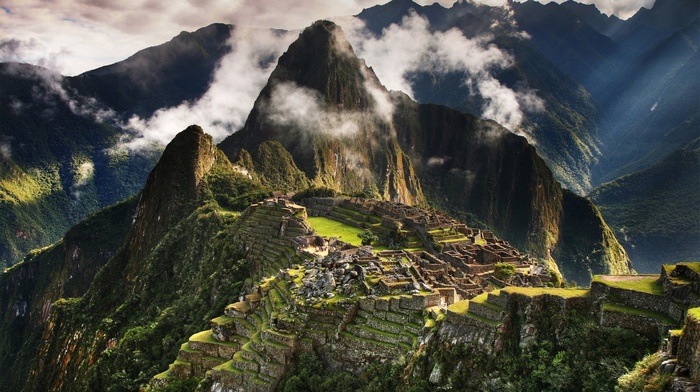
[354, 306]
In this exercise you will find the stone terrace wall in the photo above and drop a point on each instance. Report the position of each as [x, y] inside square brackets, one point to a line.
[636, 299]
[689, 346]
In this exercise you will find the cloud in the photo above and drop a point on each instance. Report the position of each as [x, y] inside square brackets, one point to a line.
[83, 173]
[409, 47]
[5, 150]
[49, 89]
[303, 110]
[438, 161]
[97, 33]
[223, 109]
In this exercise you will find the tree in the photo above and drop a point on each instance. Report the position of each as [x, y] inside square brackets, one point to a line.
[504, 271]
[368, 237]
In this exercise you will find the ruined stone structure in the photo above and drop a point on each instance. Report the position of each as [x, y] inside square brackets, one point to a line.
[354, 306]
[467, 256]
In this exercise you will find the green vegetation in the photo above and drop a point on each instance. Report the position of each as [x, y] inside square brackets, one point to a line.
[638, 312]
[504, 271]
[460, 307]
[367, 237]
[656, 210]
[308, 374]
[314, 192]
[276, 168]
[535, 291]
[331, 228]
[571, 353]
[644, 283]
[694, 313]
[645, 376]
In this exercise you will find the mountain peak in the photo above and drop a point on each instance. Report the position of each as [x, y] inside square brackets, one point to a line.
[323, 60]
[172, 185]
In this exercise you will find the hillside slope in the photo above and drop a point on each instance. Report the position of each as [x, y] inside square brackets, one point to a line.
[174, 262]
[642, 207]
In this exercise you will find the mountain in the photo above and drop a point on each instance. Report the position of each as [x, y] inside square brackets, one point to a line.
[58, 163]
[148, 269]
[604, 82]
[62, 137]
[643, 207]
[322, 104]
[563, 37]
[471, 168]
[656, 104]
[113, 303]
[565, 130]
[161, 76]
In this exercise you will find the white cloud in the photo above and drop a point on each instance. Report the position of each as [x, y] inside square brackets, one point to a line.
[303, 109]
[74, 36]
[5, 150]
[411, 46]
[49, 88]
[83, 173]
[223, 109]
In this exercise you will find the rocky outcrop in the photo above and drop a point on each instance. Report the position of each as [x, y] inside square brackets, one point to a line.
[185, 161]
[689, 344]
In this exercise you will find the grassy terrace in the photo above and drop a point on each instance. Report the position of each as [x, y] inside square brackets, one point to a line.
[638, 312]
[377, 342]
[482, 298]
[643, 283]
[694, 313]
[462, 309]
[695, 266]
[228, 367]
[327, 227]
[535, 291]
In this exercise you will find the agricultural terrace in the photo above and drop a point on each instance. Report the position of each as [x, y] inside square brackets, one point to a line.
[649, 284]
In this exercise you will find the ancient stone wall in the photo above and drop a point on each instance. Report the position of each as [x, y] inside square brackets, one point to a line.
[689, 345]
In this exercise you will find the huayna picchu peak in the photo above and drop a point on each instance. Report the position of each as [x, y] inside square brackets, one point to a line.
[401, 200]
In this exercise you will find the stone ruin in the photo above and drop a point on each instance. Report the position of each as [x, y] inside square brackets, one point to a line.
[466, 261]
[362, 306]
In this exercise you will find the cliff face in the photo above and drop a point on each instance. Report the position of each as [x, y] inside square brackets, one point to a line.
[479, 171]
[171, 187]
[64, 270]
[327, 108]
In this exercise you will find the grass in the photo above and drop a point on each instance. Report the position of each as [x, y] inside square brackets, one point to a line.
[638, 312]
[372, 341]
[535, 291]
[327, 227]
[694, 313]
[643, 283]
[695, 266]
[204, 336]
[460, 307]
[482, 298]
[228, 367]
[163, 374]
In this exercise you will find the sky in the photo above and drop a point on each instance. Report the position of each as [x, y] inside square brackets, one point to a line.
[75, 36]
